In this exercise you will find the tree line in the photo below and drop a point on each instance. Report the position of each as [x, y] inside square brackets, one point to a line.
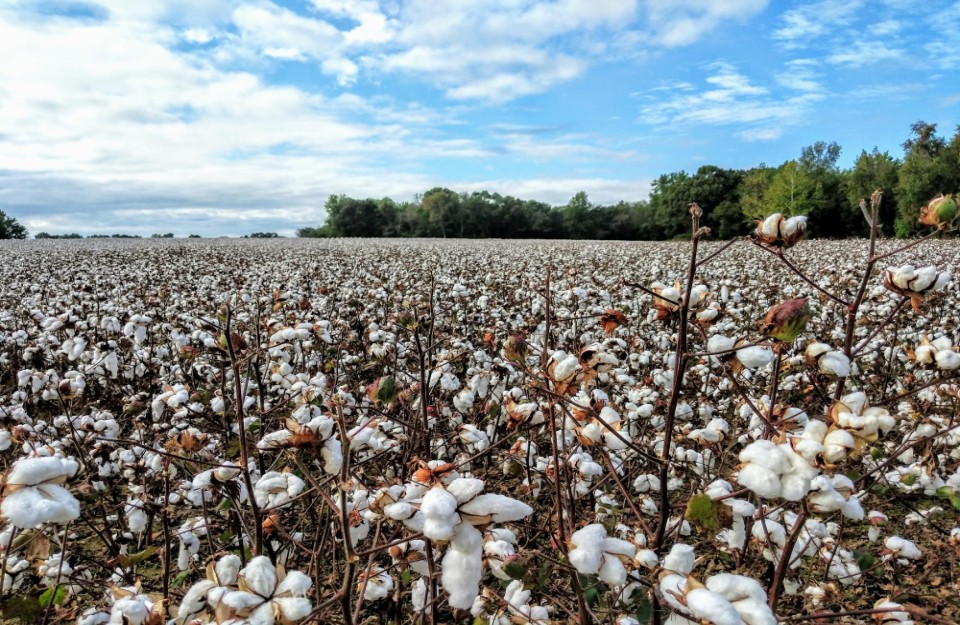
[731, 199]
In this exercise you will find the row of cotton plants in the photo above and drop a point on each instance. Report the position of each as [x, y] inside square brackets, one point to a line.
[353, 431]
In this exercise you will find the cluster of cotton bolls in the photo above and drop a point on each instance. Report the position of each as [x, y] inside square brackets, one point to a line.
[271, 431]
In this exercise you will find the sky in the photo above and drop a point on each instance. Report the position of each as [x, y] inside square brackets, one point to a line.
[227, 117]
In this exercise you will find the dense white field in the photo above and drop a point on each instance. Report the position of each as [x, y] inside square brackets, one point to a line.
[398, 393]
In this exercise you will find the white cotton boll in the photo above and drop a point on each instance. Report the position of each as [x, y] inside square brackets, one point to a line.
[462, 567]
[398, 511]
[260, 576]
[836, 445]
[902, 276]
[592, 432]
[942, 281]
[34, 471]
[940, 344]
[463, 401]
[794, 225]
[587, 553]
[926, 276]
[464, 489]
[925, 354]
[759, 480]
[136, 517]
[501, 508]
[612, 571]
[378, 584]
[566, 368]
[709, 606]
[227, 569]
[129, 612]
[902, 548]
[948, 360]
[771, 225]
[755, 356]
[418, 595]
[332, 455]
[766, 454]
[439, 509]
[33, 506]
[680, 559]
[719, 343]
[835, 363]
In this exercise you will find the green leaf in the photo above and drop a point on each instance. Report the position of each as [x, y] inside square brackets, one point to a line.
[703, 512]
[644, 611]
[388, 390]
[134, 559]
[516, 569]
[944, 491]
[181, 578]
[48, 596]
[405, 577]
[592, 596]
[864, 558]
[955, 500]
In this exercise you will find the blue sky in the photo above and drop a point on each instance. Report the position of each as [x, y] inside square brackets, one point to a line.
[234, 116]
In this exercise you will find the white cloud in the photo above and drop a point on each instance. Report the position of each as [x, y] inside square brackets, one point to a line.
[733, 99]
[281, 33]
[683, 22]
[861, 53]
[806, 23]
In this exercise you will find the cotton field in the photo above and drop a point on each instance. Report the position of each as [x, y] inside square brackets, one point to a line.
[375, 431]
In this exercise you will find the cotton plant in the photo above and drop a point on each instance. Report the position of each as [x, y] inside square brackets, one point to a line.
[724, 599]
[939, 352]
[310, 428]
[259, 594]
[593, 552]
[452, 513]
[915, 283]
[775, 471]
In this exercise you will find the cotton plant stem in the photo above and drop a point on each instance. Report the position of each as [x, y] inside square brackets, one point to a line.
[679, 366]
[559, 473]
[56, 583]
[242, 428]
[854, 308]
[350, 556]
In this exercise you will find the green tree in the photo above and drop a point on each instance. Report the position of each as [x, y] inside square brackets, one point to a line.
[930, 166]
[10, 228]
[874, 171]
[792, 191]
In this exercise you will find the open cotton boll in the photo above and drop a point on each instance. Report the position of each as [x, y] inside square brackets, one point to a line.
[680, 559]
[33, 506]
[566, 367]
[736, 587]
[719, 343]
[587, 554]
[755, 357]
[707, 605]
[948, 360]
[500, 508]
[837, 444]
[462, 566]
[902, 548]
[835, 363]
[439, 509]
